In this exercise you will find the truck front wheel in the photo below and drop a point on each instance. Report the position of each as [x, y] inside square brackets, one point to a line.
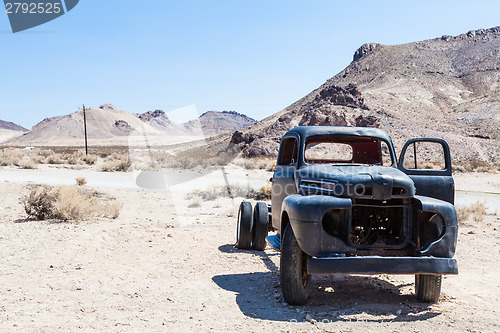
[295, 282]
[428, 287]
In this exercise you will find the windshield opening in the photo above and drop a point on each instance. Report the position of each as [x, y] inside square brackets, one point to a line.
[347, 149]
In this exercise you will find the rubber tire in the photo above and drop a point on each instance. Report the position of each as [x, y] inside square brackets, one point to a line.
[294, 280]
[244, 226]
[260, 226]
[428, 287]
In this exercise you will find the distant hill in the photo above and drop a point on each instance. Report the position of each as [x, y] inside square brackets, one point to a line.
[105, 122]
[159, 120]
[11, 126]
[447, 87]
[10, 130]
[215, 122]
[210, 123]
[107, 125]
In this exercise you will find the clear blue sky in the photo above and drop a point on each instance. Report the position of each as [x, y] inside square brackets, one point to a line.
[255, 57]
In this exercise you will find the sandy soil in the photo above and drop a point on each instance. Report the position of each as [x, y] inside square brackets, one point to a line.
[165, 266]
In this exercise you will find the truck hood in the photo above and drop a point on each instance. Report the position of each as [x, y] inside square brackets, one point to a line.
[353, 180]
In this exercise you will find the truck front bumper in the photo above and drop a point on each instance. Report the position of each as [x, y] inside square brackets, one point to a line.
[381, 265]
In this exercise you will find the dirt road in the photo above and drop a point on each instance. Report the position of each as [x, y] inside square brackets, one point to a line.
[164, 266]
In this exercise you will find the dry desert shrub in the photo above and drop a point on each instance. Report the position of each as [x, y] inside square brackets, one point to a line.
[11, 157]
[200, 157]
[37, 158]
[214, 192]
[80, 181]
[151, 160]
[111, 210]
[72, 159]
[475, 165]
[89, 159]
[44, 152]
[116, 162]
[196, 202]
[27, 163]
[260, 163]
[54, 158]
[264, 192]
[19, 158]
[66, 203]
[431, 165]
[476, 211]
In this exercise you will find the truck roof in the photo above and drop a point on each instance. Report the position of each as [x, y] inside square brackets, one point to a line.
[305, 131]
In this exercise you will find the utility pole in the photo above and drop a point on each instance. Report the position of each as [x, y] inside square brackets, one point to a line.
[85, 127]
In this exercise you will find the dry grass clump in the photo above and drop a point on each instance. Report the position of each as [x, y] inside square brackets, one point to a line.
[264, 192]
[37, 158]
[89, 159]
[214, 192]
[11, 157]
[111, 210]
[196, 202]
[47, 156]
[80, 181]
[150, 160]
[73, 159]
[116, 162]
[66, 203]
[27, 163]
[475, 165]
[200, 157]
[430, 165]
[258, 163]
[19, 158]
[476, 210]
[54, 158]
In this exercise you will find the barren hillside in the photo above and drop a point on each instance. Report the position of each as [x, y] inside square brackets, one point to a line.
[214, 122]
[9, 130]
[11, 126]
[104, 122]
[210, 123]
[107, 125]
[447, 87]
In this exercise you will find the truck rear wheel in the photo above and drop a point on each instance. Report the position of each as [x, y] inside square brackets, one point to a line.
[260, 226]
[295, 282]
[244, 226]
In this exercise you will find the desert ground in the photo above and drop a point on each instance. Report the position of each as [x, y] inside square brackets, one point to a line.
[167, 263]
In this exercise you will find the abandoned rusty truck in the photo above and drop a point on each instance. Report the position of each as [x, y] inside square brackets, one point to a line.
[343, 204]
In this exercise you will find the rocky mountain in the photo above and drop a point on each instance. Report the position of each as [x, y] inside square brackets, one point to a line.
[447, 87]
[159, 120]
[11, 126]
[10, 130]
[209, 123]
[215, 122]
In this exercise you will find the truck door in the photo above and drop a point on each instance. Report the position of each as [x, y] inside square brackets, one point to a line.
[283, 181]
[427, 162]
